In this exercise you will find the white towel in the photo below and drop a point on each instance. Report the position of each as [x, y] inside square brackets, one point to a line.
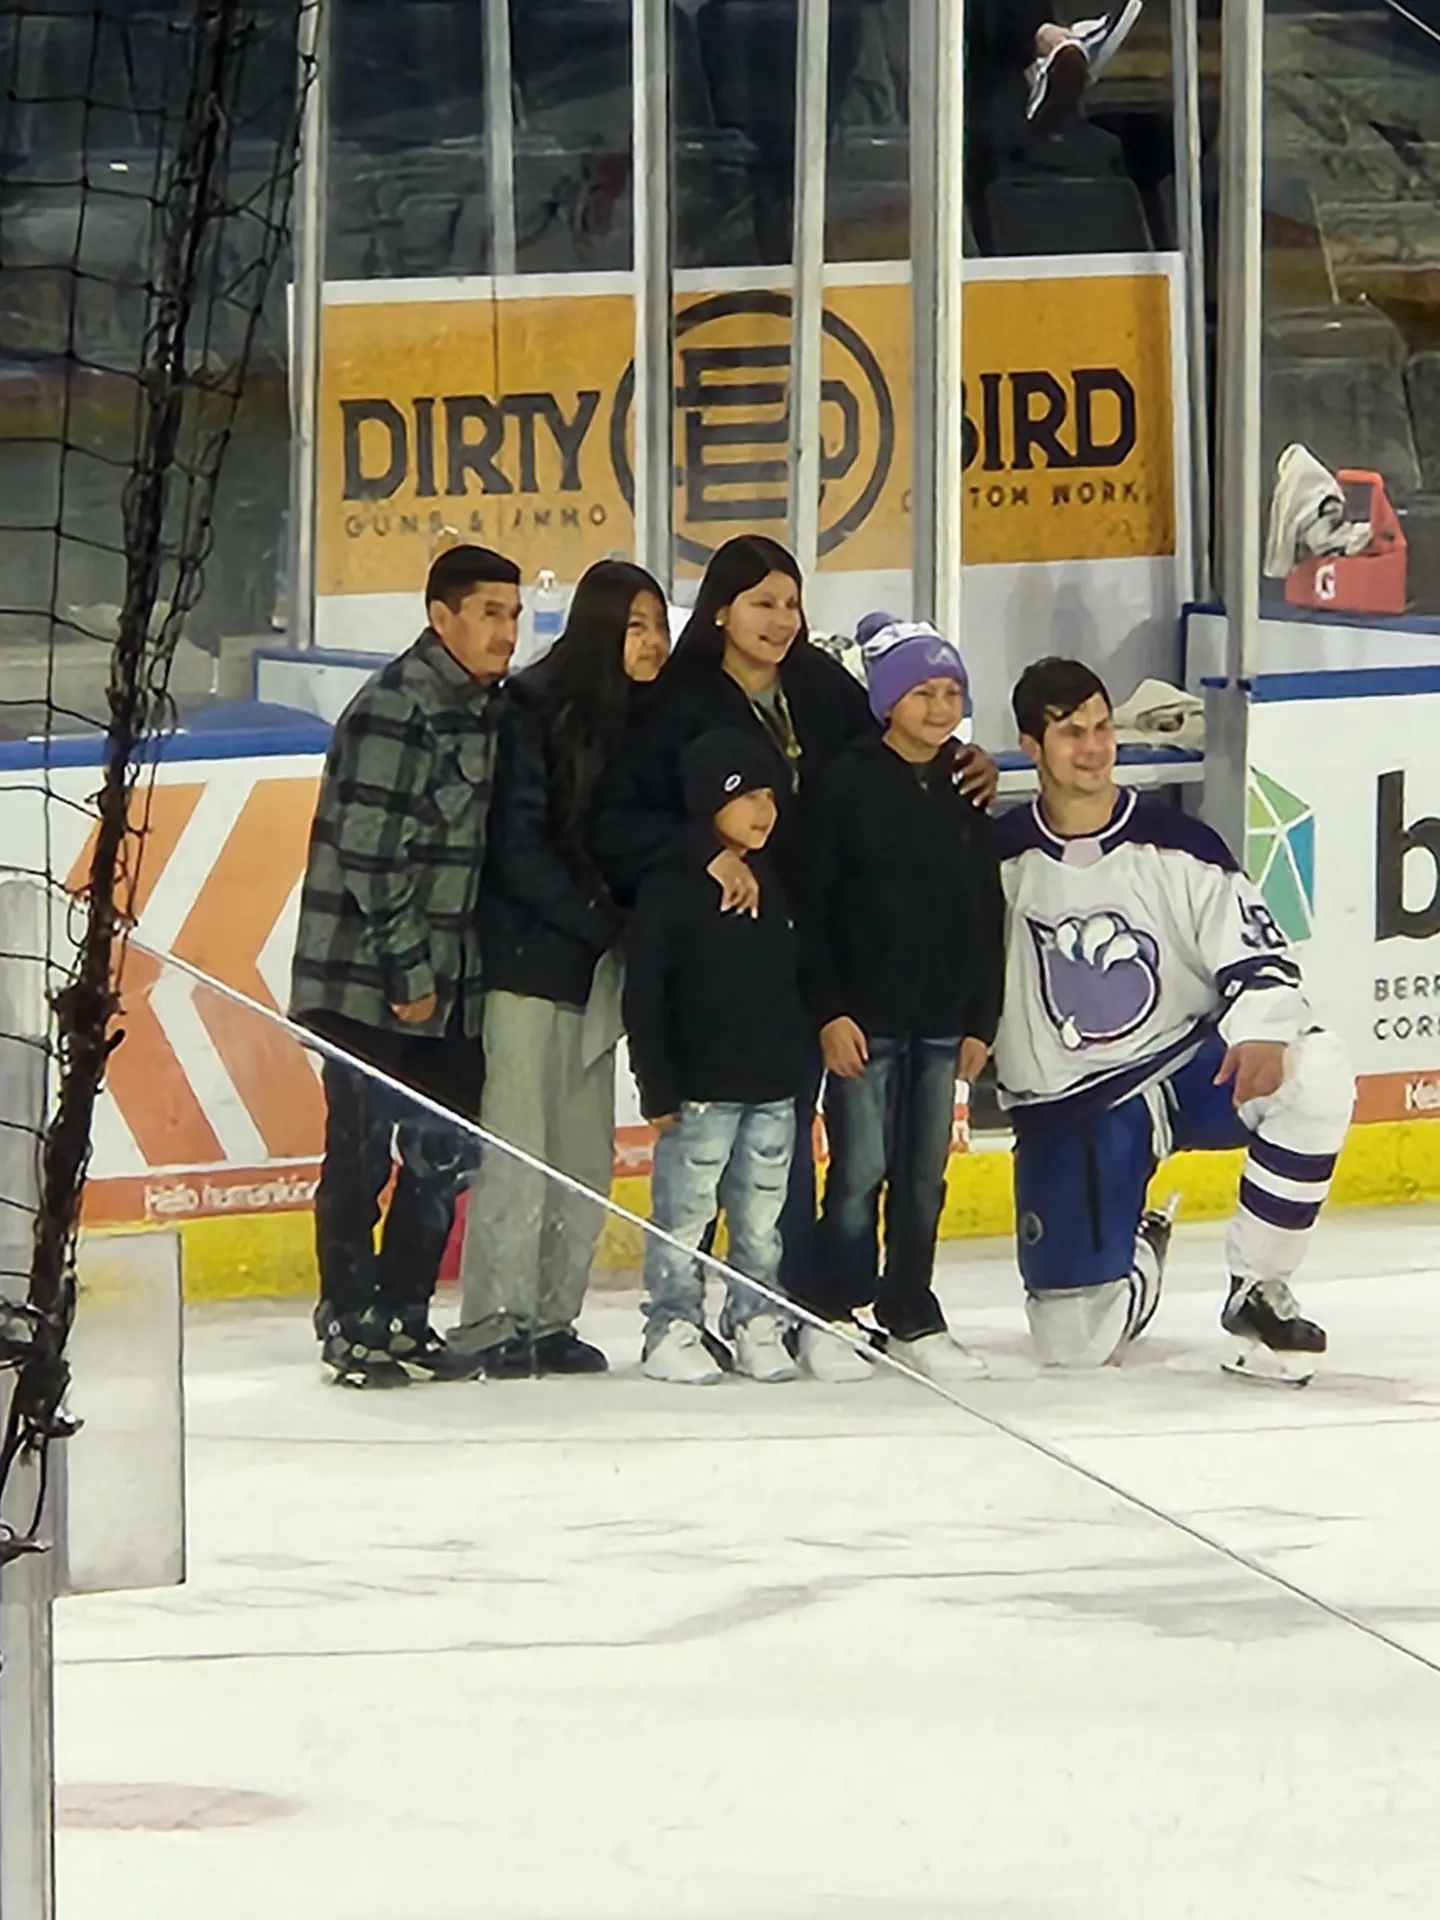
[1159, 715]
[1307, 515]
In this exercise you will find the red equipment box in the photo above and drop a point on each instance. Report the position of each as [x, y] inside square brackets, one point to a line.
[1368, 582]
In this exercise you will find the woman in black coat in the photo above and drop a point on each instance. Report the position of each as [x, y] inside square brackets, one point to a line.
[548, 929]
[744, 660]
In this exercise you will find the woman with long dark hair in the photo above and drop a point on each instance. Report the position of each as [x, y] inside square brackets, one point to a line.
[548, 927]
[744, 660]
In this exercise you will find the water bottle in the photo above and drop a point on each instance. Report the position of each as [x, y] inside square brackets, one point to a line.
[547, 615]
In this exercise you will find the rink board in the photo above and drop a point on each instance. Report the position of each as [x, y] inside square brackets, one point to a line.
[213, 1126]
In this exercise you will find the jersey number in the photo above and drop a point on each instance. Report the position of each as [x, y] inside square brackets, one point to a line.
[1260, 930]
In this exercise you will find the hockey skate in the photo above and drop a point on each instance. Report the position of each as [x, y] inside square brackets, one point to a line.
[1275, 1342]
[1152, 1248]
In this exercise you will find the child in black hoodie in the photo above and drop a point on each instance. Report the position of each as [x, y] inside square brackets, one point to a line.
[905, 953]
[718, 1032]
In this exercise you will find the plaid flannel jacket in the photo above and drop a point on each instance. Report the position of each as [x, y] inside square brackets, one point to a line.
[387, 912]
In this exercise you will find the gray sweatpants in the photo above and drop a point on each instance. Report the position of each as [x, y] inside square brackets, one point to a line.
[528, 1240]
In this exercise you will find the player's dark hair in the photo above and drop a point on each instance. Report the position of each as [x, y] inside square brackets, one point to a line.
[460, 570]
[742, 563]
[1053, 689]
[583, 685]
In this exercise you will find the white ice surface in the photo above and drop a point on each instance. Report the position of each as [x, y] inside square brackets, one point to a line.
[605, 1650]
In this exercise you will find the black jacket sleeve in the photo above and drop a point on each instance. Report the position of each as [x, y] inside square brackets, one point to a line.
[637, 818]
[523, 856]
[983, 1016]
[651, 957]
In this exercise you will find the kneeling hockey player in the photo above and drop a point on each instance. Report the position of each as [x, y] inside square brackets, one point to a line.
[1151, 1005]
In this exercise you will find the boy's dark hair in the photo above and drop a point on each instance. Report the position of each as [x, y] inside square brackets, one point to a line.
[460, 570]
[1053, 689]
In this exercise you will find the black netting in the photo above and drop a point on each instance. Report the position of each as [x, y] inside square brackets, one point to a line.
[147, 161]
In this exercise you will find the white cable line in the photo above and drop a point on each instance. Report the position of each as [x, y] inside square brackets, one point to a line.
[1414, 19]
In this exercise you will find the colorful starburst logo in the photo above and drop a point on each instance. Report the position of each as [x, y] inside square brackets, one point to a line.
[1280, 853]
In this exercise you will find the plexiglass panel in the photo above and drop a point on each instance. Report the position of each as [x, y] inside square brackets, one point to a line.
[124, 1473]
[1352, 317]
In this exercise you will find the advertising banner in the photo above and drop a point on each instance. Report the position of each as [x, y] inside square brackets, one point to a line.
[504, 409]
[1343, 838]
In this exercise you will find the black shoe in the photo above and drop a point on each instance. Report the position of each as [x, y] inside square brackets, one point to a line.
[565, 1352]
[353, 1346]
[517, 1358]
[419, 1350]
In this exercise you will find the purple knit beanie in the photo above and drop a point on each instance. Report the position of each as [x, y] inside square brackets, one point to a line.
[903, 655]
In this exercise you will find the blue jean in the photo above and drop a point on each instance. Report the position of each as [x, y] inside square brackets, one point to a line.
[890, 1133]
[738, 1157]
[797, 1220]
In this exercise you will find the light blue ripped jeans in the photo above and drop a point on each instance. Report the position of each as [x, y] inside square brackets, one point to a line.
[736, 1159]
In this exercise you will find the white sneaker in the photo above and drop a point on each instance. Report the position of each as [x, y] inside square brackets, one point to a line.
[1059, 79]
[1102, 39]
[832, 1356]
[679, 1356]
[761, 1352]
[940, 1357]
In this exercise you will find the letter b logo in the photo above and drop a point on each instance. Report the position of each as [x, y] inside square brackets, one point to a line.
[1393, 841]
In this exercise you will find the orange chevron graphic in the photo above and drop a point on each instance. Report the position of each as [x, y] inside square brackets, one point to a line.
[234, 914]
[145, 1078]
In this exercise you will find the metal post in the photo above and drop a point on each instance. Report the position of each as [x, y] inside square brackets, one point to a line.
[500, 134]
[1241, 323]
[1242, 104]
[27, 1725]
[654, 291]
[307, 317]
[27, 1583]
[1189, 213]
[807, 302]
[937, 254]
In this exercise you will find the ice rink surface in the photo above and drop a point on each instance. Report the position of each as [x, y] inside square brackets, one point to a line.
[601, 1649]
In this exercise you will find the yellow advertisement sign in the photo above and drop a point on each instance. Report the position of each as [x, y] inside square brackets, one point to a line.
[510, 419]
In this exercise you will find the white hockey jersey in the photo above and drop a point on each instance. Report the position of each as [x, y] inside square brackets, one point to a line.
[1123, 949]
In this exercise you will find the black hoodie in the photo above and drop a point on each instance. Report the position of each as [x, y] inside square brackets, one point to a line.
[902, 901]
[712, 999]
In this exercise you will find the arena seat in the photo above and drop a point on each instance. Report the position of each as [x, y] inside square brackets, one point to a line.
[867, 215]
[571, 62]
[421, 210]
[1422, 385]
[1420, 522]
[1028, 215]
[1333, 380]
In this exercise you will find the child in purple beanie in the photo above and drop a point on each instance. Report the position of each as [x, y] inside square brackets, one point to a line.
[903, 927]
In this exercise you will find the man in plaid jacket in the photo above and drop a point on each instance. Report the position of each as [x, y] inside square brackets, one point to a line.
[387, 966]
